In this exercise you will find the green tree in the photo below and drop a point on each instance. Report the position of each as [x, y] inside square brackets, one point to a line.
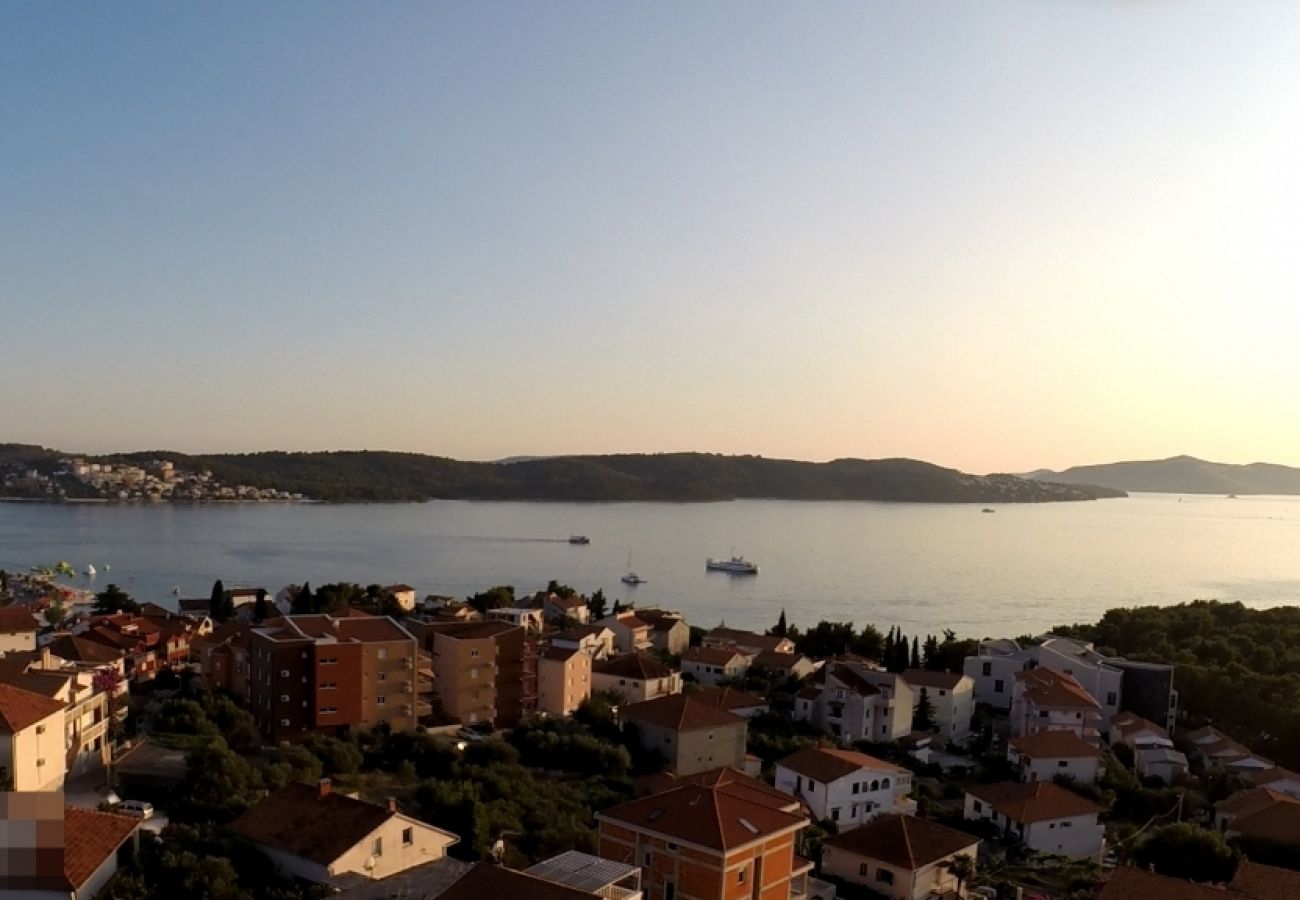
[55, 614]
[923, 719]
[596, 605]
[219, 784]
[503, 595]
[112, 600]
[304, 602]
[261, 607]
[220, 606]
[915, 661]
[782, 628]
[1184, 850]
[560, 590]
[962, 868]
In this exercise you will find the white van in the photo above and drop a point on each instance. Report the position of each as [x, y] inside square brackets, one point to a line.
[136, 808]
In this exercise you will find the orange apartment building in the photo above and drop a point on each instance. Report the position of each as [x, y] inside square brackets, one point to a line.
[321, 673]
[719, 839]
[482, 671]
[563, 680]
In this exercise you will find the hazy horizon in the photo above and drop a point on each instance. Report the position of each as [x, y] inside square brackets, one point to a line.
[993, 237]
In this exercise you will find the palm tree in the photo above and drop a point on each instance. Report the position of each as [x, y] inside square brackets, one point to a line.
[962, 868]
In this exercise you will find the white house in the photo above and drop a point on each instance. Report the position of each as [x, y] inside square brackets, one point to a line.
[531, 620]
[1042, 815]
[1046, 700]
[313, 833]
[747, 641]
[856, 702]
[565, 609]
[33, 746]
[1163, 763]
[846, 787]
[18, 629]
[1134, 731]
[952, 697]
[668, 630]
[1046, 754]
[902, 857]
[635, 677]
[80, 866]
[596, 641]
[714, 665]
[631, 634]
[1277, 778]
[404, 595]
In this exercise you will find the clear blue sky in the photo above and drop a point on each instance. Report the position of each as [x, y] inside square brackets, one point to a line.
[992, 235]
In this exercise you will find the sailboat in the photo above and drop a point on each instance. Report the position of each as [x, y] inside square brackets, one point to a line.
[631, 577]
[90, 570]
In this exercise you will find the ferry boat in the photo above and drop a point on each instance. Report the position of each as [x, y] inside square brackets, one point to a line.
[737, 565]
[579, 539]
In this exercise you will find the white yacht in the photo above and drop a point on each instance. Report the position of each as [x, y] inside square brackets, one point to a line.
[737, 565]
[90, 571]
[631, 577]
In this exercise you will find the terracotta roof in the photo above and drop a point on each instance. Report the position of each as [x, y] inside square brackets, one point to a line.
[1139, 884]
[232, 632]
[21, 709]
[712, 656]
[852, 680]
[660, 619]
[738, 784]
[728, 698]
[1046, 687]
[784, 661]
[904, 841]
[830, 763]
[298, 820]
[473, 631]
[74, 648]
[560, 654]
[1279, 821]
[745, 638]
[14, 671]
[1127, 723]
[680, 712]
[399, 588]
[15, 619]
[574, 602]
[486, 880]
[1055, 745]
[1250, 800]
[925, 678]
[638, 666]
[373, 630]
[194, 604]
[1268, 776]
[713, 818]
[89, 838]
[1260, 882]
[1035, 802]
[630, 620]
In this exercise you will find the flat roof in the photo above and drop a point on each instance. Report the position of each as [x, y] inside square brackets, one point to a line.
[576, 869]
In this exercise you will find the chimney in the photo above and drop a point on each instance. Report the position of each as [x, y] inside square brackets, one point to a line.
[392, 804]
[323, 787]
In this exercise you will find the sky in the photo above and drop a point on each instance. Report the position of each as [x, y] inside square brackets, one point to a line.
[995, 236]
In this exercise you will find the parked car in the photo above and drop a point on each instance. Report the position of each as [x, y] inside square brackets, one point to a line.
[137, 808]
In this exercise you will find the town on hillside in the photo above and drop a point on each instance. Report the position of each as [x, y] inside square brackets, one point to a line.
[78, 479]
[369, 742]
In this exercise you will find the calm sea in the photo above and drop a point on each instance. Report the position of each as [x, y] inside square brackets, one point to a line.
[924, 567]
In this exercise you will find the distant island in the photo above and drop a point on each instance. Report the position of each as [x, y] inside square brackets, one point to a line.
[1181, 475]
[373, 476]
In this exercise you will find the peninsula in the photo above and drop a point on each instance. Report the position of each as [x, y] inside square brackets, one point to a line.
[374, 476]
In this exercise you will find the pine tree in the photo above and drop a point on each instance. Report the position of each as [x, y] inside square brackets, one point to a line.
[303, 602]
[596, 605]
[923, 718]
[618, 607]
[217, 602]
[916, 654]
[781, 629]
[260, 606]
[930, 651]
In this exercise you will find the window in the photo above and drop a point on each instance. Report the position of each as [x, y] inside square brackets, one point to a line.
[710, 735]
[1111, 699]
[378, 848]
[473, 653]
[812, 785]
[978, 807]
[987, 669]
[862, 869]
[1063, 764]
[329, 662]
[884, 784]
[997, 686]
[875, 785]
[381, 700]
[1042, 714]
[284, 698]
[284, 723]
[672, 846]
[942, 692]
[835, 814]
[408, 837]
[1067, 824]
[381, 676]
[284, 673]
[740, 875]
[40, 729]
[645, 857]
[473, 673]
[670, 891]
[382, 653]
[856, 786]
[39, 763]
[884, 876]
[798, 782]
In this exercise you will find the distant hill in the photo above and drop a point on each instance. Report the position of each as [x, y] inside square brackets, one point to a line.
[1181, 475]
[388, 477]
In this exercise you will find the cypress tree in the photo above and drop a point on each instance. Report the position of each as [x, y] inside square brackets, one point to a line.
[217, 602]
[781, 628]
[916, 654]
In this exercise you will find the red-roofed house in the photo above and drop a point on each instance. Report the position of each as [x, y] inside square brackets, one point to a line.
[1043, 815]
[708, 842]
[1047, 700]
[847, 787]
[32, 739]
[631, 633]
[1045, 754]
[80, 867]
[714, 665]
[902, 857]
[635, 677]
[855, 702]
[18, 629]
[691, 736]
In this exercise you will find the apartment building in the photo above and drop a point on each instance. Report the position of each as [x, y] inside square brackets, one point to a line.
[669, 632]
[635, 677]
[631, 633]
[951, 696]
[718, 841]
[482, 671]
[321, 673]
[847, 787]
[1047, 754]
[714, 665]
[32, 738]
[1047, 700]
[86, 705]
[563, 680]
[691, 736]
[223, 657]
[855, 701]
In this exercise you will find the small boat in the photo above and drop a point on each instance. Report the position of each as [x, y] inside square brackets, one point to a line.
[579, 539]
[631, 577]
[90, 571]
[987, 510]
[176, 591]
[737, 565]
